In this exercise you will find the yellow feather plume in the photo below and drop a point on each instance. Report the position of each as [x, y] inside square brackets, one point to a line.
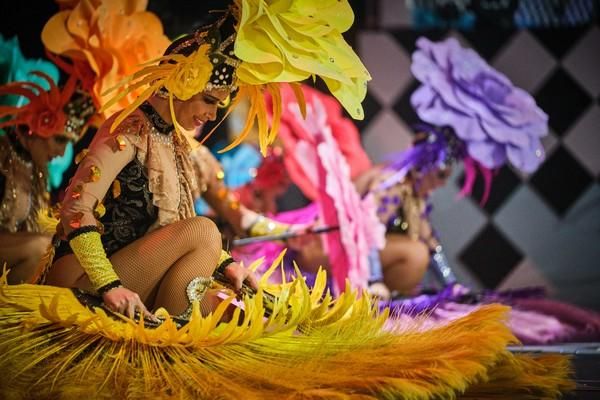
[311, 346]
[46, 222]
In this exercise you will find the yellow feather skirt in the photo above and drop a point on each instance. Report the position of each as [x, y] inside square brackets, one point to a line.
[311, 346]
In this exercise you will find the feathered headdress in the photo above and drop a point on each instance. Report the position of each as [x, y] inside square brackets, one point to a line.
[253, 47]
[101, 42]
[48, 112]
[15, 67]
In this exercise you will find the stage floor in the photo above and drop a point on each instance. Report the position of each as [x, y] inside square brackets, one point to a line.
[586, 360]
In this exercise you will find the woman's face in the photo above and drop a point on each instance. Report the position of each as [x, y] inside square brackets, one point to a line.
[433, 180]
[43, 150]
[192, 114]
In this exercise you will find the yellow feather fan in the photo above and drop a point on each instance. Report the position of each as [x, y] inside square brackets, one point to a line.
[51, 346]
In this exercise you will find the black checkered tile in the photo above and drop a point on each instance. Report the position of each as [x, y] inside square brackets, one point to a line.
[563, 99]
[490, 256]
[561, 180]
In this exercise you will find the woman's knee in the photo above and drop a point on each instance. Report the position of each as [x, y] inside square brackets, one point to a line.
[404, 269]
[418, 256]
[203, 232]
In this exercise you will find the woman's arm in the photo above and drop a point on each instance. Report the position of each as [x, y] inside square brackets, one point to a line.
[106, 157]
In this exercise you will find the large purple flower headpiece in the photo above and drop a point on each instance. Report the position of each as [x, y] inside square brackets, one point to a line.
[496, 120]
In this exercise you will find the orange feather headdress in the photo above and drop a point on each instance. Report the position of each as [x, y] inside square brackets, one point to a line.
[47, 112]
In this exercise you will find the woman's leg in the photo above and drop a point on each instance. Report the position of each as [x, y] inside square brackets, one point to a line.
[22, 252]
[158, 266]
[404, 262]
[310, 254]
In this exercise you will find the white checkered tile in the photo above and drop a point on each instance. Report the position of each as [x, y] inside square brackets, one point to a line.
[384, 59]
[583, 61]
[386, 134]
[526, 75]
[584, 140]
[394, 14]
[527, 274]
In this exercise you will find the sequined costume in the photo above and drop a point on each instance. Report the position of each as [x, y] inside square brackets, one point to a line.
[128, 207]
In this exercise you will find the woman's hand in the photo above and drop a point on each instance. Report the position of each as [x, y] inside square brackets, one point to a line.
[126, 302]
[237, 274]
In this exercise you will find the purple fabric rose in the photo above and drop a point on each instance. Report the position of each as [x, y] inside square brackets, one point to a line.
[496, 120]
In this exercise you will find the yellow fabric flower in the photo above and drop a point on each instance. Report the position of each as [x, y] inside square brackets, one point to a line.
[290, 41]
[190, 77]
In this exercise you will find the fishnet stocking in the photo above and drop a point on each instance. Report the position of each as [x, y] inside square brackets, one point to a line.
[160, 265]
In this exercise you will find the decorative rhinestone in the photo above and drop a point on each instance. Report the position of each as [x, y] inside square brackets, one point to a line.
[76, 193]
[538, 153]
[100, 210]
[94, 173]
[222, 193]
[76, 221]
[116, 188]
[234, 204]
[121, 144]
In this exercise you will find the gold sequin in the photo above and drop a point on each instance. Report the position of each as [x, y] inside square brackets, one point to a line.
[100, 210]
[220, 175]
[222, 193]
[76, 221]
[121, 144]
[265, 226]
[76, 193]
[234, 202]
[81, 155]
[94, 173]
[116, 188]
